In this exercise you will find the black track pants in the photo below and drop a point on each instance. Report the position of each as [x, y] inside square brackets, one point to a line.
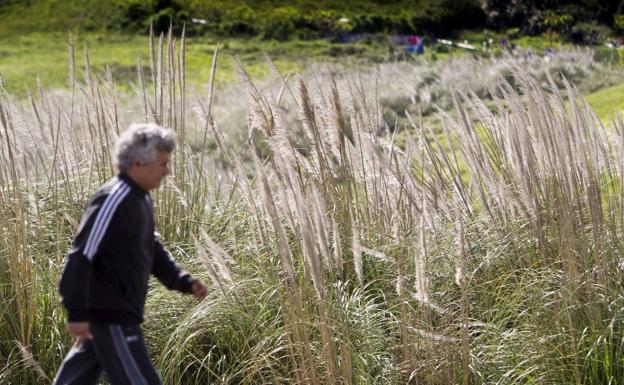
[118, 350]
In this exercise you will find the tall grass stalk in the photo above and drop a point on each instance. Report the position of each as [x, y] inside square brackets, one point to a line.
[484, 248]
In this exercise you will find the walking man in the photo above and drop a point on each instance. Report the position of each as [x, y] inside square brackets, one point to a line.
[104, 282]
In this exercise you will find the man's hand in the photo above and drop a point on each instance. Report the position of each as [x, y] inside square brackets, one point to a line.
[199, 290]
[80, 330]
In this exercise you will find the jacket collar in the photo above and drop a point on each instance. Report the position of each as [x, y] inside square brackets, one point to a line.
[135, 187]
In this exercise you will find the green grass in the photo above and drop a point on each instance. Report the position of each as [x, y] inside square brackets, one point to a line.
[26, 58]
[45, 56]
[607, 102]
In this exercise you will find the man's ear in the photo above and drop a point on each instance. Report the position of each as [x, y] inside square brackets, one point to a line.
[135, 163]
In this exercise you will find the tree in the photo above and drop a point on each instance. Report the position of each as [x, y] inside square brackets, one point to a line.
[618, 22]
[556, 23]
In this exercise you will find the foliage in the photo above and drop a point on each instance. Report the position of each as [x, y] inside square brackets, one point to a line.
[280, 20]
[589, 33]
[557, 21]
[303, 19]
[618, 22]
[535, 17]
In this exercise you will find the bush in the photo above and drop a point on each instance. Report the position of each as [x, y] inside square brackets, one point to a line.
[279, 30]
[317, 24]
[606, 55]
[589, 33]
[441, 48]
[162, 20]
[281, 23]
[373, 23]
[241, 13]
[618, 22]
[239, 28]
[131, 15]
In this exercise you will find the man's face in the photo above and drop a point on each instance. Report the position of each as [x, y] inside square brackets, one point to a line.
[149, 176]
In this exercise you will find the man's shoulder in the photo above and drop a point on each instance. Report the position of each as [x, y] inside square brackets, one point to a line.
[114, 189]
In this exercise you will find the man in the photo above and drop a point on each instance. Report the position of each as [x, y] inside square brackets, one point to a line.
[104, 283]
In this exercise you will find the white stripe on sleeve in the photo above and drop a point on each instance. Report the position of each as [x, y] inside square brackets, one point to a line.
[104, 216]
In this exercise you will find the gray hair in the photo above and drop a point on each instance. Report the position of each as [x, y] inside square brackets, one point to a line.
[142, 142]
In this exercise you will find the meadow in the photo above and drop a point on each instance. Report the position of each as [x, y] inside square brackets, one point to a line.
[33, 58]
[422, 222]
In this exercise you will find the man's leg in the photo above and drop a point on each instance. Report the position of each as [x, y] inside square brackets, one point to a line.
[80, 367]
[122, 354]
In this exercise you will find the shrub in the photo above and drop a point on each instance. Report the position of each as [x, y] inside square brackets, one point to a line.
[162, 20]
[239, 28]
[132, 14]
[281, 23]
[618, 22]
[589, 33]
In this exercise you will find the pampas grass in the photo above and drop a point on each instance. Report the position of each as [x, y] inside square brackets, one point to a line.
[343, 247]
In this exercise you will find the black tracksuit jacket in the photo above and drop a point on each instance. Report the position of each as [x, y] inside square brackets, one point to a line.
[106, 275]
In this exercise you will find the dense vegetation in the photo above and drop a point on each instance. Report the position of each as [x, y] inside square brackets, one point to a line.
[341, 248]
[415, 220]
[582, 21]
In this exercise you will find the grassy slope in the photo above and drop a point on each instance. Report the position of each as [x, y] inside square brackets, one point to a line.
[45, 56]
[607, 102]
[26, 58]
[33, 43]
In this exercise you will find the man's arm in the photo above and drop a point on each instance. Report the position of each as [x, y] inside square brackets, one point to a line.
[172, 275]
[76, 276]
[73, 288]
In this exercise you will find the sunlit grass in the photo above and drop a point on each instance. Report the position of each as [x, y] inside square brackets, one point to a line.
[336, 254]
[26, 58]
[608, 102]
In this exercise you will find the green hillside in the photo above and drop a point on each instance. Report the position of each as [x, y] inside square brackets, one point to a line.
[231, 17]
[607, 102]
[581, 22]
